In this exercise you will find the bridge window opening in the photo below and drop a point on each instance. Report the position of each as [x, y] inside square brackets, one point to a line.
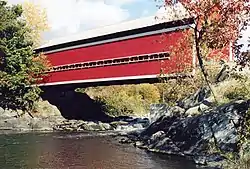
[141, 58]
[132, 59]
[155, 56]
[105, 63]
[135, 59]
[118, 61]
[87, 65]
[122, 60]
[81, 65]
[145, 57]
[109, 62]
[126, 60]
[84, 65]
[98, 63]
[161, 56]
[151, 57]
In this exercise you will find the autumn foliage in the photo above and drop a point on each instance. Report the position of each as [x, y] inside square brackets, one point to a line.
[36, 21]
[216, 24]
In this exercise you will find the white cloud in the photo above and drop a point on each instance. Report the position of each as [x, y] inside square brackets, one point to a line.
[120, 2]
[72, 16]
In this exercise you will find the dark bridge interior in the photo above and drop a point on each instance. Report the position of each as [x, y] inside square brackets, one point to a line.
[75, 105]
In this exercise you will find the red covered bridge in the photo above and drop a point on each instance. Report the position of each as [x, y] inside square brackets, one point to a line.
[134, 50]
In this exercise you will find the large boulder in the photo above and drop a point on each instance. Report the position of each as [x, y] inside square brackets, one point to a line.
[193, 111]
[43, 117]
[195, 135]
[45, 109]
[195, 99]
[156, 111]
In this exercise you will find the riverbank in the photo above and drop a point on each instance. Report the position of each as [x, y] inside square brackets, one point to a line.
[47, 117]
[206, 138]
[210, 131]
[203, 128]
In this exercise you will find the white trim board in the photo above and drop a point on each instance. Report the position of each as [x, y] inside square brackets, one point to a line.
[100, 80]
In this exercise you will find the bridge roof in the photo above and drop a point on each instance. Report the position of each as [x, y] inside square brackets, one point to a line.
[116, 30]
[109, 29]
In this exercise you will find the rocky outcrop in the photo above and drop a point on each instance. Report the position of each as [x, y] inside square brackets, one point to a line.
[201, 136]
[122, 124]
[47, 117]
[79, 125]
[43, 118]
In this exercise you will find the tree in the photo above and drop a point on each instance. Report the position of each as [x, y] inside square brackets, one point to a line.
[37, 21]
[19, 65]
[217, 23]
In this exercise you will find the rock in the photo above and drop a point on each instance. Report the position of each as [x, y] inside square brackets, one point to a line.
[138, 144]
[125, 141]
[41, 124]
[44, 118]
[140, 122]
[195, 99]
[193, 111]
[105, 126]
[192, 135]
[45, 109]
[129, 128]
[158, 110]
[115, 124]
[166, 145]
[156, 137]
[223, 74]
[1, 110]
[177, 111]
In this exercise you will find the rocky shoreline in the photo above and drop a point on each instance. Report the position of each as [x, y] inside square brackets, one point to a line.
[48, 118]
[205, 136]
[191, 129]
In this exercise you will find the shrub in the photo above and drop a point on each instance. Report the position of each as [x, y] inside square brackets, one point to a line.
[242, 163]
[122, 100]
[232, 89]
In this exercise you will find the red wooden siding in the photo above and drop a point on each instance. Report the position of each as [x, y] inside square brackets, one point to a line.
[142, 45]
[136, 46]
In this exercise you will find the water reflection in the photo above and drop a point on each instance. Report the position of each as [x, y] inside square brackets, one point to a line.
[78, 151]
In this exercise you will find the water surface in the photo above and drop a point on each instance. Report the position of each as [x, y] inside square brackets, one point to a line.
[78, 151]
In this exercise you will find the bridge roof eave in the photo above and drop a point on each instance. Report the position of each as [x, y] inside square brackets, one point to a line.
[113, 31]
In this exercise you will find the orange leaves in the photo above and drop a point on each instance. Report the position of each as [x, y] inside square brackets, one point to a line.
[42, 59]
[218, 21]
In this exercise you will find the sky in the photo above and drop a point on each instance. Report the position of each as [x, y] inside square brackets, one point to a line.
[67, 17]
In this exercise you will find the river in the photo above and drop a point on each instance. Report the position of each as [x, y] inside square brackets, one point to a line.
[78, 151]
